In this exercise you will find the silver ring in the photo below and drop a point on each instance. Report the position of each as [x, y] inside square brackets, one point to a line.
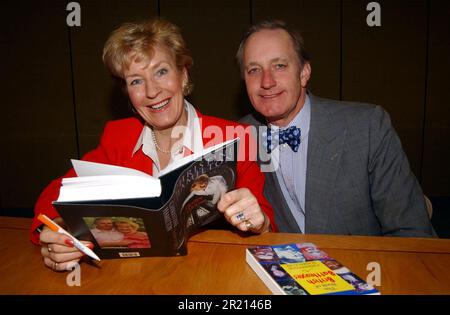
[55, 265]
[49, 249]
[240, 216]
[248, 224]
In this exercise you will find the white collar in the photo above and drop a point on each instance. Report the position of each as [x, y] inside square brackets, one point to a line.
[192, 139]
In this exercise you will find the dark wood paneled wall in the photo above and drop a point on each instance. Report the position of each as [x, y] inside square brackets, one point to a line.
[38, 133]
[57, 95]
[436, 152]
[386, 65]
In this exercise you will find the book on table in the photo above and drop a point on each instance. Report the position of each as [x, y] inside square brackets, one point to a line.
[128, 213]
[304, 269]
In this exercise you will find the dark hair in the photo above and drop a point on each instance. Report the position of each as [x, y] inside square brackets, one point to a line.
[297, 40]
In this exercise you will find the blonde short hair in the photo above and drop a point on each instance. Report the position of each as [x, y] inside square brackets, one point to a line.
[137, 41]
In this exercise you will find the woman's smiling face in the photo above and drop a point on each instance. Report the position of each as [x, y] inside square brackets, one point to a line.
[155, 88]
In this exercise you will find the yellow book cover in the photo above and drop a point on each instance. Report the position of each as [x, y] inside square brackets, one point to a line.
[316, 278]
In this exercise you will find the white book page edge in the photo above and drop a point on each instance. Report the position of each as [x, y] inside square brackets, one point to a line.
[86, 168]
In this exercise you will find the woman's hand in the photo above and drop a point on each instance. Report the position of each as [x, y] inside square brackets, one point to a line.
[58, 250]
[240, 208]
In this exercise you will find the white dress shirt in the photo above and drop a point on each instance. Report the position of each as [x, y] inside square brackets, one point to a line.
[291, 173]
[192, 140]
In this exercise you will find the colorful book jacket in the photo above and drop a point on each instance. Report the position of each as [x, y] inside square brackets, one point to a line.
[157, 226]
[304, 269]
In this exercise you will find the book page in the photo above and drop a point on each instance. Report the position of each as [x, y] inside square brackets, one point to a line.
[86, 168]
[97, 181]
[108, 187]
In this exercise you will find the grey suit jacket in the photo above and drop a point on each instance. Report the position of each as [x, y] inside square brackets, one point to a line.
[358, 179]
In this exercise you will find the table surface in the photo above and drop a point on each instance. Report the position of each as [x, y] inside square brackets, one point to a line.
[216, 264]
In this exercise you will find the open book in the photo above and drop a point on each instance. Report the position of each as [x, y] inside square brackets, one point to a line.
[304, 269]
[128, 213]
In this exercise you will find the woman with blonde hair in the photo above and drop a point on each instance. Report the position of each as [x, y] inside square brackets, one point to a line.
[152, 61]
[132, 237]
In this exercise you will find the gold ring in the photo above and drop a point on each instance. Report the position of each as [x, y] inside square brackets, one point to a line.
[49, 249]
[248, 224]
[55, 265]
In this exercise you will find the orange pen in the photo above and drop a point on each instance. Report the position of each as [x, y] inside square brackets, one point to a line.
[56, 228]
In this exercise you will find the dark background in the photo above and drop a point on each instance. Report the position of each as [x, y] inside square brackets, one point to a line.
[56, 94]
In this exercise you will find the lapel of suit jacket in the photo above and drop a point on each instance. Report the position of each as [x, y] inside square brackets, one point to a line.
[272, 189]
[272, 183]
[325, 144]
[283, 214]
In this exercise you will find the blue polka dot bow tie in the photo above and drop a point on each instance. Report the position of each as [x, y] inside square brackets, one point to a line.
[291, 136]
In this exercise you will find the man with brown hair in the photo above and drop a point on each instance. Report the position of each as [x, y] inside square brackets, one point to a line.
[339, 167]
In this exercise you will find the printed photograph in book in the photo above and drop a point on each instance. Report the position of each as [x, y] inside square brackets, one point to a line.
[204, 194]
[118, 232]
[198, 192]
[304, 269]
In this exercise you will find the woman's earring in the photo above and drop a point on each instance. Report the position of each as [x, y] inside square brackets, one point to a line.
[187, 88]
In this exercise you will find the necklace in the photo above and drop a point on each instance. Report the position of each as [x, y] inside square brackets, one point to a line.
[179, 149]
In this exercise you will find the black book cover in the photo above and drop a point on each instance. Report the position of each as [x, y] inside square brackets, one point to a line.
[157, 226]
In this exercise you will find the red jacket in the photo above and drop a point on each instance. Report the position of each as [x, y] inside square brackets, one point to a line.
[116, 147]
